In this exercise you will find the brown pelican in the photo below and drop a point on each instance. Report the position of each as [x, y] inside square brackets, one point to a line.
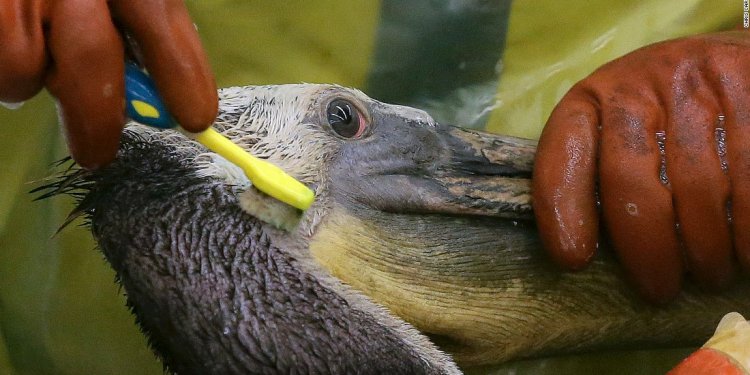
[418, 254]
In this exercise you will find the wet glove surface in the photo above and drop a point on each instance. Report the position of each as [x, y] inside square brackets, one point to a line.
[659, 137]
[73, 48]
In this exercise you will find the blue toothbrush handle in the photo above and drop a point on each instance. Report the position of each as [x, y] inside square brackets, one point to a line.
[142, 101]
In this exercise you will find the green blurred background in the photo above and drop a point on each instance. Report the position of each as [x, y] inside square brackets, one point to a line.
[498, 65]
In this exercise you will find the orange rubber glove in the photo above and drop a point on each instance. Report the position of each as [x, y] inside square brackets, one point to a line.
[74, 49]
[727, 352]
[661, 135]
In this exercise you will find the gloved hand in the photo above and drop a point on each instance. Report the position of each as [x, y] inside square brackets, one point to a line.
[661, 137]
[74, 49]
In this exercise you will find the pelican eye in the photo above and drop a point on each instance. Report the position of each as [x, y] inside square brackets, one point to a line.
[345, 119]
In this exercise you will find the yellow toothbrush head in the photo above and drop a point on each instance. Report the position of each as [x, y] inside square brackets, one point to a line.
[265, 176]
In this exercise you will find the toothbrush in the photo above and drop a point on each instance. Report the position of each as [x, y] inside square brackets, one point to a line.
[144, 105]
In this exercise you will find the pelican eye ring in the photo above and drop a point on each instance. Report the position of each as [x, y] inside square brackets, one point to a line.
[345, 119]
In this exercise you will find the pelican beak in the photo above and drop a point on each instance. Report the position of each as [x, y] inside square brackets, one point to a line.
[450, 171]
[486, 175]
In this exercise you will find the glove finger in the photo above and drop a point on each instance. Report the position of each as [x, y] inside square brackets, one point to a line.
[699, 186]
[87, 78]
[23, 59]
[174, 56]
[636, 205]
[564, 196]
[736, 106]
